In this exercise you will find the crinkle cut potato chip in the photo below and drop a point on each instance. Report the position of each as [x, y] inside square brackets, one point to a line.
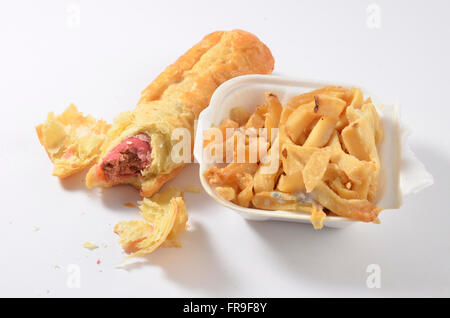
[72, 141]
[164, 220]
[328, 156]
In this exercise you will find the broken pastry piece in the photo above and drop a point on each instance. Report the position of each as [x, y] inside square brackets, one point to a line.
[164, 220]
[127, 159]
[72, 141]
[139, 147]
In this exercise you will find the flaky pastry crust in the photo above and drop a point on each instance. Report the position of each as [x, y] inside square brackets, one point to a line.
[176, 98]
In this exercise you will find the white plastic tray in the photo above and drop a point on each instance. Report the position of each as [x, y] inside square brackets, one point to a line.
[397, 180]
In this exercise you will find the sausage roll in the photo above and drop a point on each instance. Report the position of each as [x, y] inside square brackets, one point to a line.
[137, 149]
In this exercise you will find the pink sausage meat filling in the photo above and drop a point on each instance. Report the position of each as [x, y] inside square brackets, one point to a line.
[127, 159]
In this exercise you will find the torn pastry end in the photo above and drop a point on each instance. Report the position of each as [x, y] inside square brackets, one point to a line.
[127, 159]
[72, 140]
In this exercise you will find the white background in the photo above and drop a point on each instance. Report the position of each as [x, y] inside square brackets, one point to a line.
[47, 61]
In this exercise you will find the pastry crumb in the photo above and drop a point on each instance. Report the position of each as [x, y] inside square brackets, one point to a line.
[129, 204]
[36, 228]
[90, 246]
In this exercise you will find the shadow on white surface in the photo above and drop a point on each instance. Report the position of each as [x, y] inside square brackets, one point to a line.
[411, 245]
[194, 266]
[413, 259]
[114, 198]
[306, 253]
[75, 182]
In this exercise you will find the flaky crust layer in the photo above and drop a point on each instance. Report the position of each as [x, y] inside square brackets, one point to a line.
[178, 95]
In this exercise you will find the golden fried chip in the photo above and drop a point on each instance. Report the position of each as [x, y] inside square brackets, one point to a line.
[298, 123]
[327, 105]
[228, 193]
[255, 121]
[273, 115]
[239, 115]
[290, 183]
[315, 168]
[361, 210]
[317, 217]
[321, 133]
